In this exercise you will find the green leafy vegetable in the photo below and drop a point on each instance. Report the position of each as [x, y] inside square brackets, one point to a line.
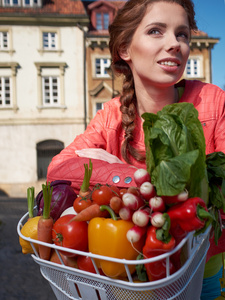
[175, 151]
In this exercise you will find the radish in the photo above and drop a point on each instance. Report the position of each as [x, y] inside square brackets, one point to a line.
[135, 233]
[147, 190]
[183, 196]
[141, 217]
[157, 204]
[158, 219]
[126, 213]
[132, 201]
[140, 176]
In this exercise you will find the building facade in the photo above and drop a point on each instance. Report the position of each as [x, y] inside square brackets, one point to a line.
[54, 75]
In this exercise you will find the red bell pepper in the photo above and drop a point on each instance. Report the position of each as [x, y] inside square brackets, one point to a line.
[154, 247]
[189, 215]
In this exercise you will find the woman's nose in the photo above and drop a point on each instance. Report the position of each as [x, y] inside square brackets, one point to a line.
[173, 44]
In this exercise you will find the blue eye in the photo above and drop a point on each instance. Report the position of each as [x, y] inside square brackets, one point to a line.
[154, 31]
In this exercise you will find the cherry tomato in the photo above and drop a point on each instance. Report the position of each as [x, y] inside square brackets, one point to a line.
[102, 195]
[81, 203]
[73, 235]
[115, 190]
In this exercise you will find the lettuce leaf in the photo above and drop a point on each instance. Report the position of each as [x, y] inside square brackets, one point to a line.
[175, 151]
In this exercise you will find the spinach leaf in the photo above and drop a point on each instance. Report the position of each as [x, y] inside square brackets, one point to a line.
[175, 150]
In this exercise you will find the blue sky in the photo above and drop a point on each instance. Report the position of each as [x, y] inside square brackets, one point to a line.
[210, 17]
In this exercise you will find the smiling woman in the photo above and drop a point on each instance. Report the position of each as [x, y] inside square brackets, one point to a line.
[149, 45]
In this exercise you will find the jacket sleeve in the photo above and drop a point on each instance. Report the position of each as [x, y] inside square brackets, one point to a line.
[220, 124]
[72, 169]
[68, 166]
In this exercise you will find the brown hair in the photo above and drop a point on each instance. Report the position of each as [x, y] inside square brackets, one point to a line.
[121, 32]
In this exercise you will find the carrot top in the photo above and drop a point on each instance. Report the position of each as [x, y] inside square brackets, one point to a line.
[87, 176]
[47, 196]
[30, 201]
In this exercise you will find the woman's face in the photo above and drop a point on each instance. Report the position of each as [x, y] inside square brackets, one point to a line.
[159, 49]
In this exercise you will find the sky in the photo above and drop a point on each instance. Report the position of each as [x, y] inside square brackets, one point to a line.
[210, 17]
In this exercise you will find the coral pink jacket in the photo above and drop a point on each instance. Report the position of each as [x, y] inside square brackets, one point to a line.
[105, 131]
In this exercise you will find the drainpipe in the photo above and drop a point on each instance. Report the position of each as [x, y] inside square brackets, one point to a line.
[85, 74]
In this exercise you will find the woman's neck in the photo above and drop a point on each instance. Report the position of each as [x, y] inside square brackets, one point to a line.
[155, 99]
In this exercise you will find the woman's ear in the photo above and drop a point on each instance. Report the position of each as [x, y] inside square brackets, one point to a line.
[124, 53]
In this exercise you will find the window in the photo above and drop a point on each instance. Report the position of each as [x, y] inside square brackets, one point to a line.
[4, 43]
[102, 21]
[98, 106]
[50, 78]
[193, 68]
[101, 67]
[45, 152]
[25, 3]
[49, 40]
[50, 88]
[5, 92]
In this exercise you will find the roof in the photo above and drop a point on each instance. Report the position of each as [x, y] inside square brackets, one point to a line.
[49, 7]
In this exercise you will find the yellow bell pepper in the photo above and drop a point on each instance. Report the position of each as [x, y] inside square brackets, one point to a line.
[107, 237]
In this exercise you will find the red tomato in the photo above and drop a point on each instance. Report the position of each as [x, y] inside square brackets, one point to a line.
[102, 195]
[84, 263]
[115, 190]
[73, 235]
[81, 203]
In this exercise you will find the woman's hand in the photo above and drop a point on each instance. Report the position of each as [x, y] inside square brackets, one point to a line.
[100, 154]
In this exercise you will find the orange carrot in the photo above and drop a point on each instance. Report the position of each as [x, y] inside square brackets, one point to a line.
[45, 224]
[92, 211]
[116, 204]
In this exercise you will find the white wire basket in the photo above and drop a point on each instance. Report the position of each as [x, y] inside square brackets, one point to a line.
[72, 283]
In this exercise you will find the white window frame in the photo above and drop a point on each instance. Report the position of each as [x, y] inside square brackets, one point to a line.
[32, 3]
[9, 70]
[194, 69]
[4, 40]
[3, 97]
[53, 100]
[50, 30]
[57, 71]
[102, 66]
[51, 40]
[9, 48]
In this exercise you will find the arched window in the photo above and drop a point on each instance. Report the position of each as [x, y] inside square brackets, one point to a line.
[45, 152]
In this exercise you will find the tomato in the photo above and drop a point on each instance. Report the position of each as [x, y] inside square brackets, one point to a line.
[85, 263]
[81, 203]
[73, 235]
[68, 261]
[102, 195]
[115, 190]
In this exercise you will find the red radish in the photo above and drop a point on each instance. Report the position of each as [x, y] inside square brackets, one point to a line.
[183, 196]
[132, 201]
[147, 190]
[140, 176]
[157, 204]
[158, 219]
[135, 233]
[141, 217]
[126, 213]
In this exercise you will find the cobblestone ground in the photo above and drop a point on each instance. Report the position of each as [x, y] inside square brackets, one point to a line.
[20, 276]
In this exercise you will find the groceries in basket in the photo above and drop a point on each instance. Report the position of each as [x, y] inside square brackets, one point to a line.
[181, 191]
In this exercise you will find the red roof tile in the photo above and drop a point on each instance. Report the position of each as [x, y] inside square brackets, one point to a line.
[51, 7]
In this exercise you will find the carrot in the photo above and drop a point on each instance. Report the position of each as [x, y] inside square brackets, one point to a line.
[45, 223]
[92, 211]
[116, 204]
[85, 187]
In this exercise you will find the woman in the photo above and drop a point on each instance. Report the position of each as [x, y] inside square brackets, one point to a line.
[149, 44]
